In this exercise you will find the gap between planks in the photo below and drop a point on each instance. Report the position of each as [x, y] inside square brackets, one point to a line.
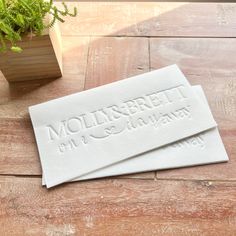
[145, 36]
[207, 181]
[87, 62]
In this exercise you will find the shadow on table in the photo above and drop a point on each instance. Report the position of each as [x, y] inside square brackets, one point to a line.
[16, 90]
[169, 22]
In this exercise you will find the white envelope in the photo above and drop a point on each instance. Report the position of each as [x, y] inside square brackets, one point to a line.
[82, 132]
[203, 148]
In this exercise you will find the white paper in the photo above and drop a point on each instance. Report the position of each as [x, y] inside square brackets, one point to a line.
[203, 148]
[92, 129]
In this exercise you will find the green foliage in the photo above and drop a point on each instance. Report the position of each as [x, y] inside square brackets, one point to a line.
[20, 17]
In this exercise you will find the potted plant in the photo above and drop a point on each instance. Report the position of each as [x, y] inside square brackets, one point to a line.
[30, 43]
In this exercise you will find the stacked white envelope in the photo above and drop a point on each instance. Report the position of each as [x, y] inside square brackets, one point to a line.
[147, 122]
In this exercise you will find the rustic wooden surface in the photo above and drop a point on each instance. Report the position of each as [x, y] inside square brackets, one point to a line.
[109, 41]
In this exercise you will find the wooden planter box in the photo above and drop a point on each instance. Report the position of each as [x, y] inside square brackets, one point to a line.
[41, 58]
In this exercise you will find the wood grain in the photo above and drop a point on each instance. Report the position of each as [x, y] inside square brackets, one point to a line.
[117, 207]
[153, 19]
[41, 58]
[205, 62]
[112, 58]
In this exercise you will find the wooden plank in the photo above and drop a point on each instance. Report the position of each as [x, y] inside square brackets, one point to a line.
[210, 63]
[114, 58]
[117, 207]
[152, 19]
[19, 154]
[16, 98]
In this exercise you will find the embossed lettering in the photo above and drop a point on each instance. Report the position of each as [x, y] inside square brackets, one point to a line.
[175, 93]
[57, 133]
[132, 106]
[143, 104]
[195, 141]
[158, 99]
[88, 122]
[116, 112]
[100, 117]
[74, 124]
[145, 110]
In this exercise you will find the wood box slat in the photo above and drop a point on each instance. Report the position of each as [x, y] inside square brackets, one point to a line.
[41, 58]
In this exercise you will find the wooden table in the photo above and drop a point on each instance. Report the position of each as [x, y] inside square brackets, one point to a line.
[107, 42]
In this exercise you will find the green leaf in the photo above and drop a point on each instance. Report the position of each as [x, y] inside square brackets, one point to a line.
[16, 49]
[18, 17]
